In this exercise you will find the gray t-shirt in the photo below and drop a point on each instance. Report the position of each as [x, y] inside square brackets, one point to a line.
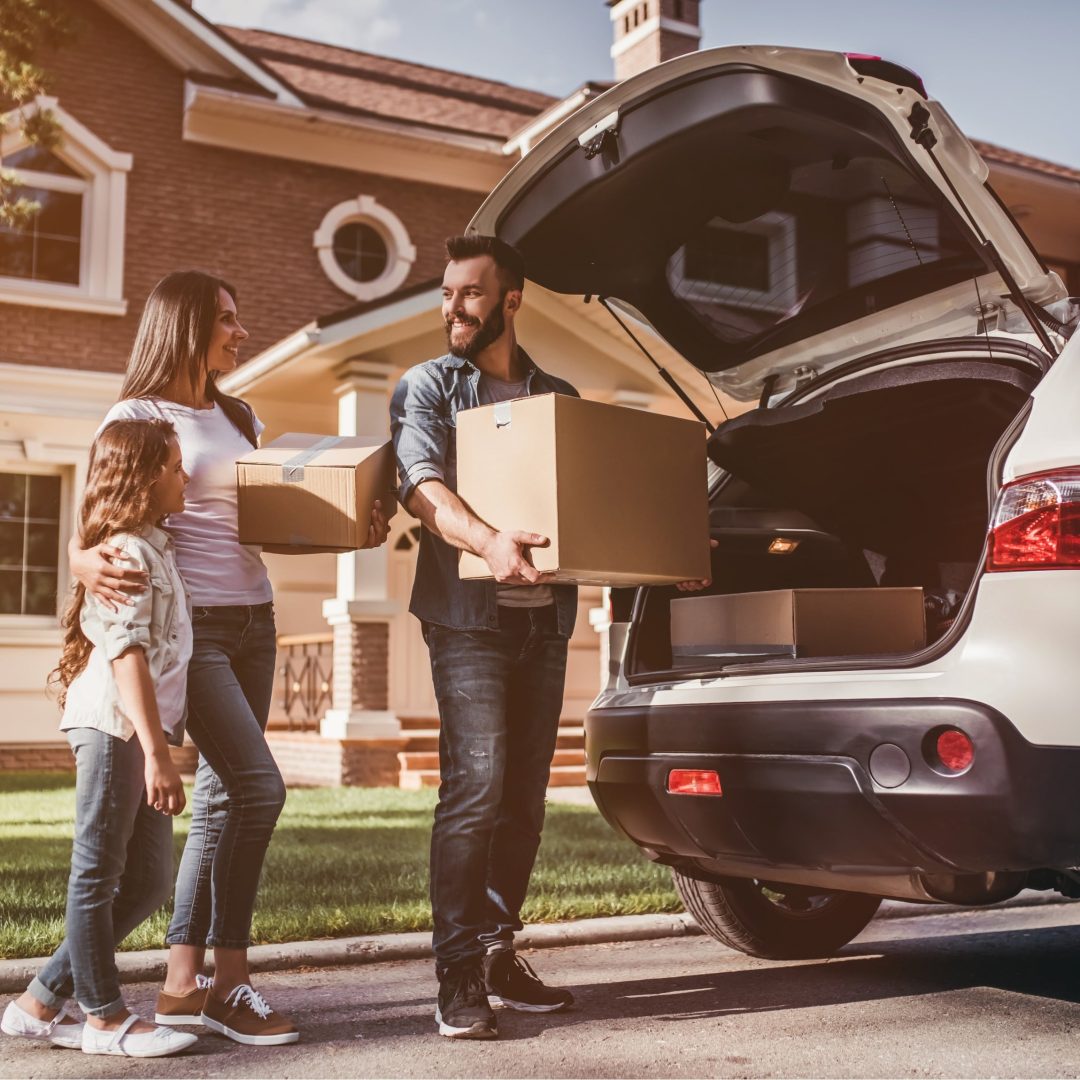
[488, 391]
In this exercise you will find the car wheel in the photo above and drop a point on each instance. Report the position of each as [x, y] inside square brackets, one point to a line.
[774, 921]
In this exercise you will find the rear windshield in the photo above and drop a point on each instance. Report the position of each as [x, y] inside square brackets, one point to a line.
[860, 230]
[742, 210]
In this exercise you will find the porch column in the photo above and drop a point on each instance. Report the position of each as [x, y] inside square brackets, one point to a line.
[361, 612]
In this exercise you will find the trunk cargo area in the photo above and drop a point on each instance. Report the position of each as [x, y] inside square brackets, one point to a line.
[880, 479]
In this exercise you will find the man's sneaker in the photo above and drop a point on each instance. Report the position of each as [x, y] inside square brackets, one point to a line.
[245, 1018]
[463, 1011]
[511, 982]
[186, 1008]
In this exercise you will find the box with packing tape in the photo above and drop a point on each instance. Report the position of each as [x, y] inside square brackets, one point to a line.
[710, 631]
[620, 493]
[309, 493]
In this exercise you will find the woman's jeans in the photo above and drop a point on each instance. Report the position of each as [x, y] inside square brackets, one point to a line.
[500, 695]
[121, 872]
[239, 792]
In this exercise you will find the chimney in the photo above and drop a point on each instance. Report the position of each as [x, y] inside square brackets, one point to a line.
[648, 32]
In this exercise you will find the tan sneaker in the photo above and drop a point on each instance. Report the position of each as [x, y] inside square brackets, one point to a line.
[246, 1018]
[186, 1008]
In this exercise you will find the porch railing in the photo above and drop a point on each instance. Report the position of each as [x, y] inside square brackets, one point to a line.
[307, 675]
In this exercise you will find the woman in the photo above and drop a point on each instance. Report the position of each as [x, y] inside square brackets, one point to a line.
[190, 335]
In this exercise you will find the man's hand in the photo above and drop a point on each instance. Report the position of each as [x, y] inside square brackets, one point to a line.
[506, 554]
[379, 528]
[164, 788]
[102, 573]
[697, 586]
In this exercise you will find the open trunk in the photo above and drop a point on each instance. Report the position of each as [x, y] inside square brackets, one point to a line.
[881, 477]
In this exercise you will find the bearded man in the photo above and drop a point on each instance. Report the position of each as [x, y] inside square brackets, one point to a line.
[497, 649]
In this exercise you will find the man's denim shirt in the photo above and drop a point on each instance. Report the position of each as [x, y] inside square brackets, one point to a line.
[423, 420]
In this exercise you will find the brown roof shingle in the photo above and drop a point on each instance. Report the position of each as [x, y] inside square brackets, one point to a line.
[999, 155]
[378, 86]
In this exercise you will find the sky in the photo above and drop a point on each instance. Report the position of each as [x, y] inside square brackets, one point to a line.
[1008, 72]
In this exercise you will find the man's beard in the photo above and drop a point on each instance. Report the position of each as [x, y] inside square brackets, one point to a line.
[491, 329]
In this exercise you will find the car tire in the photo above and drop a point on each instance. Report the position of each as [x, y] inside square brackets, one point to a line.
[773, 921]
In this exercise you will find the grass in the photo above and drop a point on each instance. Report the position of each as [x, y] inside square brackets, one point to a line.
[344, 861]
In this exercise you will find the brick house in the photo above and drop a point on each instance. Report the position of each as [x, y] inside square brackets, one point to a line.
[321, 181]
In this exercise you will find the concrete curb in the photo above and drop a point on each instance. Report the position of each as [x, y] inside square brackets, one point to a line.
[149, 966]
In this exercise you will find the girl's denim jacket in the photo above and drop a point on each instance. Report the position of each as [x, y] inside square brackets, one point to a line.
[159, 622]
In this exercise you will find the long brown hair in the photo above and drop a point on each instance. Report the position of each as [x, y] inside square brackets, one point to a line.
[125, 460]
[172, 341]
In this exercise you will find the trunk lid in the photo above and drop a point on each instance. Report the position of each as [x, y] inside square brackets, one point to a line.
[771, 213]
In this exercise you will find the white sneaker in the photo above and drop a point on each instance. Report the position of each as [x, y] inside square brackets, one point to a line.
[18, 1022]
[123, 1042]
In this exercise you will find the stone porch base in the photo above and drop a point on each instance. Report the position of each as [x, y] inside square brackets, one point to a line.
[312, 761]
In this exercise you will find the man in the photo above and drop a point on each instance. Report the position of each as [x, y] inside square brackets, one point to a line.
[497, 649]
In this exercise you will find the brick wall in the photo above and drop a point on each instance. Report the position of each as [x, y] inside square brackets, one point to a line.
[246, 217]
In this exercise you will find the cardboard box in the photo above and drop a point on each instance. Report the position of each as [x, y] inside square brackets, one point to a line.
[620, 493]
[742, 627]
[309, 493]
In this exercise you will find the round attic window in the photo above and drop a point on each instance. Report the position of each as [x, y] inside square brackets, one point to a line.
[360, 251]
[364, 248]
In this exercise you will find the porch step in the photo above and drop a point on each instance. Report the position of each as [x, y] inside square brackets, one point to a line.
[561, 776]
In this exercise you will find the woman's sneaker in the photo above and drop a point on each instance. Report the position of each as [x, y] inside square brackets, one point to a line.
[463, 1011]
[511, 982]
[123, 1042]
[18, 1022]
[245, 1017]
[183, 1008]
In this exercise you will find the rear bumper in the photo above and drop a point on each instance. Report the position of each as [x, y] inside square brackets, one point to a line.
[800, 795]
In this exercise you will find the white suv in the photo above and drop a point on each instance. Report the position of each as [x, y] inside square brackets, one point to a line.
[816, 236]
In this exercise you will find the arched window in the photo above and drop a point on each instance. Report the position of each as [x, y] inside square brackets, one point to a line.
[71, 253]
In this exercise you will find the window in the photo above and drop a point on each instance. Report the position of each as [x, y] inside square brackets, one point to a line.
[29, 543]
[71, 255]
[360, 251]
[364, 249]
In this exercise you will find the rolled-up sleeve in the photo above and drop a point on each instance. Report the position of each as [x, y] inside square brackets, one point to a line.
[421, 430]
[130, 625]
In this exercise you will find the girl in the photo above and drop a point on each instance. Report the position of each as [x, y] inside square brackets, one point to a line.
[122, 674]
[189, 335]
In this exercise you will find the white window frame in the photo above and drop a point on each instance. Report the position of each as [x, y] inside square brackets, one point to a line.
[102, 182]
[400, 250]
[44, 627]
[779, 229]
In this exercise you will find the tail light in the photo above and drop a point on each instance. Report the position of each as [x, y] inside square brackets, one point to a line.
[1036, 524]
[954, 750]
[694, 782]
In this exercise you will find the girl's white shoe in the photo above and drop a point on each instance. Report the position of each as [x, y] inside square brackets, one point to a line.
[123, 1042]
[20, 1023]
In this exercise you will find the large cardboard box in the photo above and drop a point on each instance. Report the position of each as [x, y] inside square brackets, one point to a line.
[621, 493]
[707, 630]
[307, 493]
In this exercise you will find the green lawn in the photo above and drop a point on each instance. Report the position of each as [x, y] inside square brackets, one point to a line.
[343, 861]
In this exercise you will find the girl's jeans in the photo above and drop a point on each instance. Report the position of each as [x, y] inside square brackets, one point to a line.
[121, 872]
[500, 695]
[239, 792]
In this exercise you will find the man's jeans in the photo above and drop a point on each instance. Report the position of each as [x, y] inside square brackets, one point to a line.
[239, 792]
[500, 696]
[121, 872]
